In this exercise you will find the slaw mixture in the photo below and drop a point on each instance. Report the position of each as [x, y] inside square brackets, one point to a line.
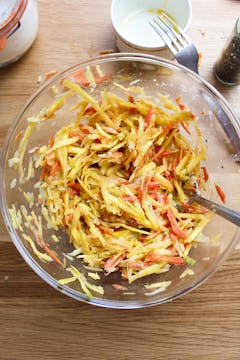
[115, 180]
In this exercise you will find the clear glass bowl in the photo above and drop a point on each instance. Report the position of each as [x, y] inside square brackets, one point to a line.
[156, 76]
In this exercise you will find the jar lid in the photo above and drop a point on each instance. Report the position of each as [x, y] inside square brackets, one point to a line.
[10, 13]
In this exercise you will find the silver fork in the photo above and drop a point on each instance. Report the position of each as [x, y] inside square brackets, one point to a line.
[177, 41]
[228, 214]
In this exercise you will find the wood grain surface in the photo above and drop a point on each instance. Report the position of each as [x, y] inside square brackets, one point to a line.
[37, 322]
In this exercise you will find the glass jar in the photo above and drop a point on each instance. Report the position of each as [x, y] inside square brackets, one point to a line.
[227, 68]
[18, 28]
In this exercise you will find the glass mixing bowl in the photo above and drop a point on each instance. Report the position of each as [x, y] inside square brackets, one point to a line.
[156, 76]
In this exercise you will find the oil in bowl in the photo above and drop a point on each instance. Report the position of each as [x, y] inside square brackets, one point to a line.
[131, 23]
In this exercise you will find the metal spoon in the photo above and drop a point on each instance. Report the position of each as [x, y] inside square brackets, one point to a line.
[228, 214]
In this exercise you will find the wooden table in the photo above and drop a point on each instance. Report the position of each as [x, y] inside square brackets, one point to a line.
[37, 322]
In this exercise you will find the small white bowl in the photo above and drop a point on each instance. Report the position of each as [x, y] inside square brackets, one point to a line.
[130, 20]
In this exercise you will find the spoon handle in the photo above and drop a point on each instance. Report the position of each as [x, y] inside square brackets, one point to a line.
[228, 214]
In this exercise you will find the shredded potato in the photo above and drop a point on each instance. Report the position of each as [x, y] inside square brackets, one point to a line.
[114, 179]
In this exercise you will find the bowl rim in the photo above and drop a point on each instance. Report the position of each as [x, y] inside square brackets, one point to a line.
[123, 304]
[145, 48]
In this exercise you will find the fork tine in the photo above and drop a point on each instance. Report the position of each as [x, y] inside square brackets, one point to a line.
[167, 30]
[163, 36]
[173, 24]
[179, 36]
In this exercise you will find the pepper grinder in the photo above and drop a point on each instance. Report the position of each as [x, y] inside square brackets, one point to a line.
[227, 67]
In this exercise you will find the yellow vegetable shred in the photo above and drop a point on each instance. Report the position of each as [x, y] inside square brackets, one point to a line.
[115, 180]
